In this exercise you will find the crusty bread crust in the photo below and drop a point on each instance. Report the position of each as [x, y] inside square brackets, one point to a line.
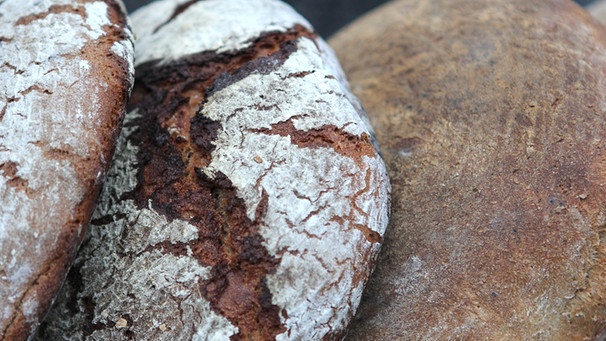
[246, 200]
[65, 74]
[491, 118]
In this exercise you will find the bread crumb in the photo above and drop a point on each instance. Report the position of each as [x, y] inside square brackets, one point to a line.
[258, 159]
[121, 323]
[163, 327]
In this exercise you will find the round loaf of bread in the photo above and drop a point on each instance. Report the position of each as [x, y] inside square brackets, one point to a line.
[65, 75]
[491, 117]
[246, 200]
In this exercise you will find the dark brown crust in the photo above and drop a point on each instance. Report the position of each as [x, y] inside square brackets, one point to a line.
[170, 176]
[492, 128]
[114, 71]
[175, 142]
[328, 136]
[180, 9]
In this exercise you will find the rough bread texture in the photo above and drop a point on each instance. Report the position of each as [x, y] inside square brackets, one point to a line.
[246, 200]
[491, 116]
[65, 74]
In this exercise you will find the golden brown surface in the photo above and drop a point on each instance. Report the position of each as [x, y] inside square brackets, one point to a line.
[491, 119]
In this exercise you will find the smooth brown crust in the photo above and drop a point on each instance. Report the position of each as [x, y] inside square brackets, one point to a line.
[492, 128]
[114, 71]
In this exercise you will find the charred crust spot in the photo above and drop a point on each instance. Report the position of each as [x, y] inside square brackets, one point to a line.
[180, 9]
[175, 145]
[203, 132]
[89, 310]
[53, 9]
[107, 219]
[327, 136]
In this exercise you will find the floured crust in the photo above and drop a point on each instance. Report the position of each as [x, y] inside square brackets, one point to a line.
[246, 200]
[64, 80]
[490, 115]
[168, 25]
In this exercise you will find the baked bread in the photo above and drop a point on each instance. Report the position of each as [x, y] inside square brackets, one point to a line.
[65, 75]
[491, 120]
[246, 199]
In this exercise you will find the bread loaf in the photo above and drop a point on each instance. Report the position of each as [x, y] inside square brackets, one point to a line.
[246, 200]
[65, 74]
[491, 119]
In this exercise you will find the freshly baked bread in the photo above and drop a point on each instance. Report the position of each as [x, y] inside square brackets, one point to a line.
[246, 200]
[65, 75]
[491, 117]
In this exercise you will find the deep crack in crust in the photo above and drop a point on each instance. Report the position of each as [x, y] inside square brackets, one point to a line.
[227, 241]
[165, 203]
[175, 143]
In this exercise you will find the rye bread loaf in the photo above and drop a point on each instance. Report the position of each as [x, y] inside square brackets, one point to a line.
[65, 74]
[246, 200]
[491, 117]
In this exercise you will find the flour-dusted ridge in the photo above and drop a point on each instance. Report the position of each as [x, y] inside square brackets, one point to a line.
[166, 33]
[160, 289]
[246, 199]
[55, 125]
[316, 196]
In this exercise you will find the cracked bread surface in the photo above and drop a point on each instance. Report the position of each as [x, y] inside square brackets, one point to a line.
[246, 199]
[65, 74]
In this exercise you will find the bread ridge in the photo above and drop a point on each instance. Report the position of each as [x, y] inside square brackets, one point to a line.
[65, 79]
[265, 131]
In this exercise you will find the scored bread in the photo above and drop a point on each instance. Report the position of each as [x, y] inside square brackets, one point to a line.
[246, 200]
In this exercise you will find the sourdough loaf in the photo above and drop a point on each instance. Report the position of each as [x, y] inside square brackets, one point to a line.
[65, 73]
[491, 116]
[246, 200]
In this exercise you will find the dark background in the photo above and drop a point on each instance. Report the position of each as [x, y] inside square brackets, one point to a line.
[327, 16]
